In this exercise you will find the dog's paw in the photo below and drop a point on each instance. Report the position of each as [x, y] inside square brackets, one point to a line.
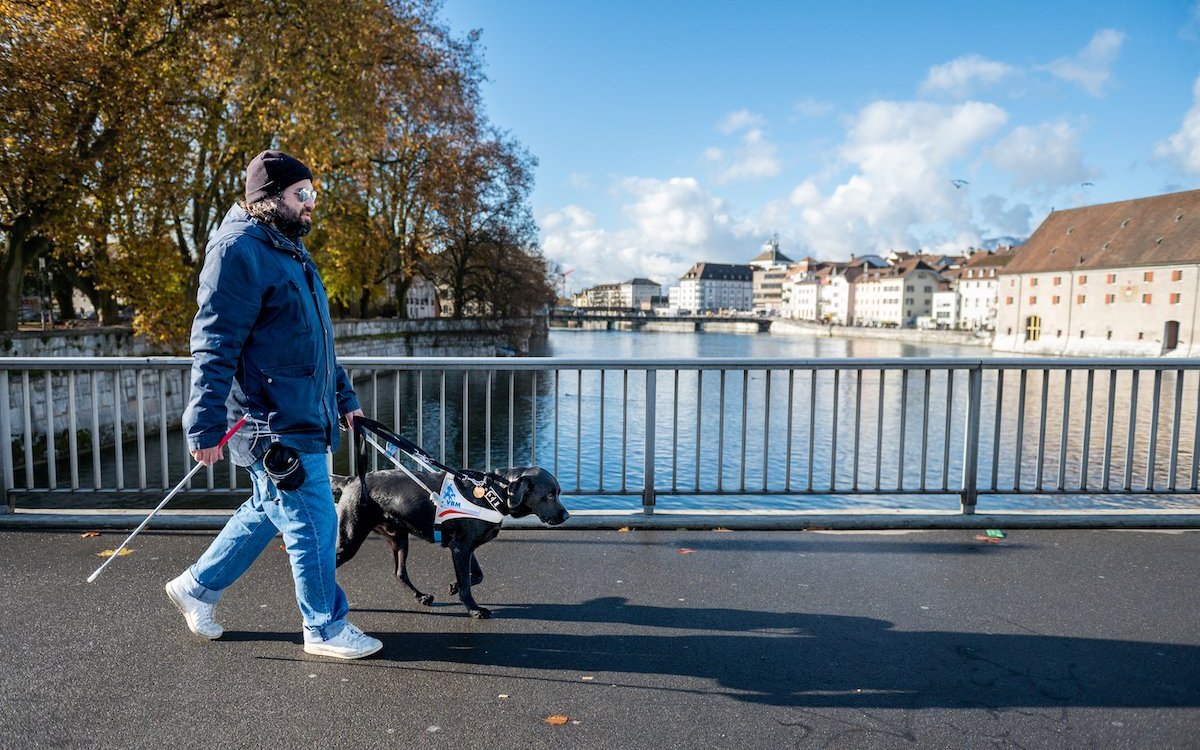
[482, 613]
[425, 600]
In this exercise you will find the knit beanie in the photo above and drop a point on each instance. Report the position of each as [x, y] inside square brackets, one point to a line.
[272, 171]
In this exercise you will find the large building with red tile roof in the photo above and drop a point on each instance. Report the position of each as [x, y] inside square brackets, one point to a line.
[1113, 279]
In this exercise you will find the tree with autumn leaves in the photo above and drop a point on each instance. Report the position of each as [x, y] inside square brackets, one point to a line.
[125, 127]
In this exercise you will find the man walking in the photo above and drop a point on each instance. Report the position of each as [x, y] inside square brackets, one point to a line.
[262, 344]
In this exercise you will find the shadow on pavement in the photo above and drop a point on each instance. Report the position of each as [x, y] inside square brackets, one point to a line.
[795, 659]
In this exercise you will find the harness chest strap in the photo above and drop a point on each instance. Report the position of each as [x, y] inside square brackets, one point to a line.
[451, 505]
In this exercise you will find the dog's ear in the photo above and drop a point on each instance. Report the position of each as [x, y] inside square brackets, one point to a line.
[517, 491]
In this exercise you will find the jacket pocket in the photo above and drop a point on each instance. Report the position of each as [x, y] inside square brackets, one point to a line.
[290, 393]
[299, 304]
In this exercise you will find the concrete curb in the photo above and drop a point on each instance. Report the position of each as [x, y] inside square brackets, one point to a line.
[205, 520]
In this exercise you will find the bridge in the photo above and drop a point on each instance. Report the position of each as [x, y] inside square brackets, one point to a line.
[641, 320]
[696, 598]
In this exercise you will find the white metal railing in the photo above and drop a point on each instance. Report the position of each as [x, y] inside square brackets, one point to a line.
[86, 432]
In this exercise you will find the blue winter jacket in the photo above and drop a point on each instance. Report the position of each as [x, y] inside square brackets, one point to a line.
[262, 339]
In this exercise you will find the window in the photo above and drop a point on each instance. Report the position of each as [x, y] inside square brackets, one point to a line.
[1080, 299]
[1033, 281]
[1055, 299]
[1033, 328]
[1082, 280]
[1109, 299]
[1033, 300]
[1146, 298]
[1175, 298]
[1177, 276]
[928, 289]
[1058, 281]
[1008, 300]
[1148, 276]
[1081, 333]
[1110, 279]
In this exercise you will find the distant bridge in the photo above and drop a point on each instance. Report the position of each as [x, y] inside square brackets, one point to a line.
[640, 320]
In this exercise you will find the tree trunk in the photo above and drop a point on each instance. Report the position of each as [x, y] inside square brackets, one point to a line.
[21, 252]
[64, 295]
[364, 301]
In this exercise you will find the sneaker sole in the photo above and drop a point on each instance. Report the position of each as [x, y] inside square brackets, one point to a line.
[316, 650]
[178, 606]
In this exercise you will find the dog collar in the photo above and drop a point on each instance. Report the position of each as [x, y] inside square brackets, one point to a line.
[451, 506]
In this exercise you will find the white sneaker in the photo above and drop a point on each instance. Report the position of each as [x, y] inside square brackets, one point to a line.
[351, 643]
[198, 614]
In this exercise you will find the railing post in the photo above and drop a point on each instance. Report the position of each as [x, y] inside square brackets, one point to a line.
[6, 476]
[970, 480]
[648, 481]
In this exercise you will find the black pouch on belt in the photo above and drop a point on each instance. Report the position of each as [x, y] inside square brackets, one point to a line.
[283, 467]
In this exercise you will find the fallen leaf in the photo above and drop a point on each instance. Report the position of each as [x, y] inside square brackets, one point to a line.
[502, 696]
[87, 534]
[989, 539]
[587, 678]
[623, 528]
[556, 720]
[723, 530]
[685, 551]
[111, 552]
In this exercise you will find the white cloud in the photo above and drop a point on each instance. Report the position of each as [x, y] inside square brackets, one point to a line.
[810, 107]
[755, 159]
[672, 224]
[1012, 221]
[580, 181]
[1043, 156]
[959, 76]
[735, 121]
[899, 192]
[1091, 66]
[1183, 147]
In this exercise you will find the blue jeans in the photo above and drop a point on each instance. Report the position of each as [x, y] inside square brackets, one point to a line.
[308, 520]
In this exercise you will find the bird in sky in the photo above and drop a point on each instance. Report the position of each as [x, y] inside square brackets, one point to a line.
[959, 183]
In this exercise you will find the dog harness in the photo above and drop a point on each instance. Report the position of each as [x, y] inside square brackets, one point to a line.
[452, 506]
[449, 504]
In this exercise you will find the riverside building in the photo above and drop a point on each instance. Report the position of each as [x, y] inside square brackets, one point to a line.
[712, 287]
[1117, 279]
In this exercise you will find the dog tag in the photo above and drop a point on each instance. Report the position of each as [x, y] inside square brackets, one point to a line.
[478, 492]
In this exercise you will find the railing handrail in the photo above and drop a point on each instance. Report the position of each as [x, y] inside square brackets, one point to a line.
[691, 363]
[947, 424]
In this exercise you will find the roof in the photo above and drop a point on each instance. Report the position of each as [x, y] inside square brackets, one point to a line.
[719, 272]
[771, 254]
[1144, 232]
[898, 271]
[639, 281]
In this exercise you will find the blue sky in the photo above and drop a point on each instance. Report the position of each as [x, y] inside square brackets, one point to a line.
[672, 132]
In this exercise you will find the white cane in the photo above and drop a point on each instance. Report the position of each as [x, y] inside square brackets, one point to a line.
[165, 500]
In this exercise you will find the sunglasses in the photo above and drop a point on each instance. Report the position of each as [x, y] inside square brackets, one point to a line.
[307, 194]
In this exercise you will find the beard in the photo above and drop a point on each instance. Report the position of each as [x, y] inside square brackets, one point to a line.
[290, 222]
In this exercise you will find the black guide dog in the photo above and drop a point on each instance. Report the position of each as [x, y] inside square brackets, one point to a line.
[396, 506]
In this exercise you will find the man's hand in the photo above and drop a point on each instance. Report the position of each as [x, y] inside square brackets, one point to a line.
[208, 456]
[349, 417]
